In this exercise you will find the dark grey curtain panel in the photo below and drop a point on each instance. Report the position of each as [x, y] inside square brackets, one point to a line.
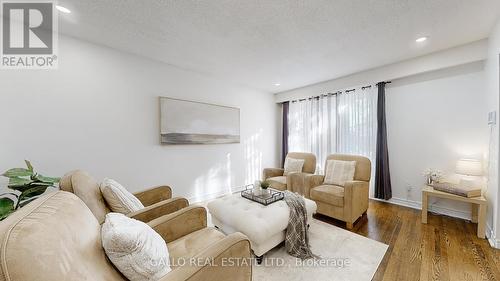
[383, 188]
[284, 138]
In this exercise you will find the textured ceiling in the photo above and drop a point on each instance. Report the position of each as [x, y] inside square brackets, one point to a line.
[258, 43]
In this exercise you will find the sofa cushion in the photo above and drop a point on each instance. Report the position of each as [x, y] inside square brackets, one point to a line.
[119, 199]
[278, 182]
[293, 165]
[193, 243]
[139, 252]
[87, 189]
[55, 237]
[309, 161]
[330, 194]
[339, 172]
[363, 165]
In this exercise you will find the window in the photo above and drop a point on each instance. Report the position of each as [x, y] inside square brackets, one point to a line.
[336, 123]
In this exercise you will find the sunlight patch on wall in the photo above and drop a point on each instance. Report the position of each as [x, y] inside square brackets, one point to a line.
[215, 182]
[253, 158]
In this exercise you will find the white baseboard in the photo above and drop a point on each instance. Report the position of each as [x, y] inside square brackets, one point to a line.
[490, 235]
[432, 208]
[206, 197]
[210, 196]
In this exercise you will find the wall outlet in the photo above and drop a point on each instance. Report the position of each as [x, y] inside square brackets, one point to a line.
[492, 118]
[409, 189]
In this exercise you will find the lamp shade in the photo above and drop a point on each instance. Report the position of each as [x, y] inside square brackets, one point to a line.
[469, 167]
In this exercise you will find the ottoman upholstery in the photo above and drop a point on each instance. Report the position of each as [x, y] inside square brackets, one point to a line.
[264, 225]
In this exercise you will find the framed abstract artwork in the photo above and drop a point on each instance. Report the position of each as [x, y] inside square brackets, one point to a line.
[191, 122]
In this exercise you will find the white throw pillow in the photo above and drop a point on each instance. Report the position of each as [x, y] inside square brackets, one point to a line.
[293, 165]
[119, 199]
[338, 172]
[134, 248]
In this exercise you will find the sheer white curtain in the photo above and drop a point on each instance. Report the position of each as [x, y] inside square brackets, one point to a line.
[338, 123]
[312, 127]
[357, 126]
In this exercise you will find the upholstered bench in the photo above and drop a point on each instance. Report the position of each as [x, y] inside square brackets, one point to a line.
[264, 225]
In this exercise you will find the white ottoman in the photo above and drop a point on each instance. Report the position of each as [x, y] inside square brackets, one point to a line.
[264, 225]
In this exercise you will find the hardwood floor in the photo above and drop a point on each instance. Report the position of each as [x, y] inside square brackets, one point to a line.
[445, 248]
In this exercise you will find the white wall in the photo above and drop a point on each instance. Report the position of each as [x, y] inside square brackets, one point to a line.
[493, 81]
[100, 112]
[433, 120]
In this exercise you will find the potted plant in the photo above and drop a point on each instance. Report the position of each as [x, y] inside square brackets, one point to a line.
[265, 185]
[26, 185]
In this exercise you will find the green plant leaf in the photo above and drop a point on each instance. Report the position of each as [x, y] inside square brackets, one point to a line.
[28, 164]
[265, 184]
[25, 202]
[17, 172]
[16, 182]
[33, 191]
[41, 183]
[6, 207]
[50, 180]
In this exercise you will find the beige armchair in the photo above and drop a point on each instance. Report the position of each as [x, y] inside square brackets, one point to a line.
[281, 182]
[345, 203]
[157, 200]
[56, 237]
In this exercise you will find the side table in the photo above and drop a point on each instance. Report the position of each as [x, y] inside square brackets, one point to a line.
[478, 207]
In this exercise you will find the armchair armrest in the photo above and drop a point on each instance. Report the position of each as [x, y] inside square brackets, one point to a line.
[310, 182]
[159, 209]
[181, 223]
[272, 172]
[229, 259]
[296, 183]
[154, 195]
[355, 199]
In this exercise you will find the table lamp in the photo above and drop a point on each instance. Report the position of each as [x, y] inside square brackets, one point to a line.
[470, 168]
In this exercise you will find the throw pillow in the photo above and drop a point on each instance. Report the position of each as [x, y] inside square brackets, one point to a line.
[119, 199]
[136, 250]
[293, 165]
[338, 172]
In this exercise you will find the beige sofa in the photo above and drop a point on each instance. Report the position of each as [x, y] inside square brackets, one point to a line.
[56, 237]
[157, 200]
[279, 181]
[346, 203]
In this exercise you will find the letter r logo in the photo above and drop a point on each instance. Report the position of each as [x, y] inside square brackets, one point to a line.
[27, 28]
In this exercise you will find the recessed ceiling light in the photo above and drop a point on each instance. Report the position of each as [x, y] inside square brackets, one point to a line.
[63, 9]
[277, 84]
[421, 39]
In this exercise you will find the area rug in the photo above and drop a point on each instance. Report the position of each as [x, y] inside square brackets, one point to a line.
[343, 256]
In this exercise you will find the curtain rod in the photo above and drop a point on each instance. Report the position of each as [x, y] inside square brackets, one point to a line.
[338, 92]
